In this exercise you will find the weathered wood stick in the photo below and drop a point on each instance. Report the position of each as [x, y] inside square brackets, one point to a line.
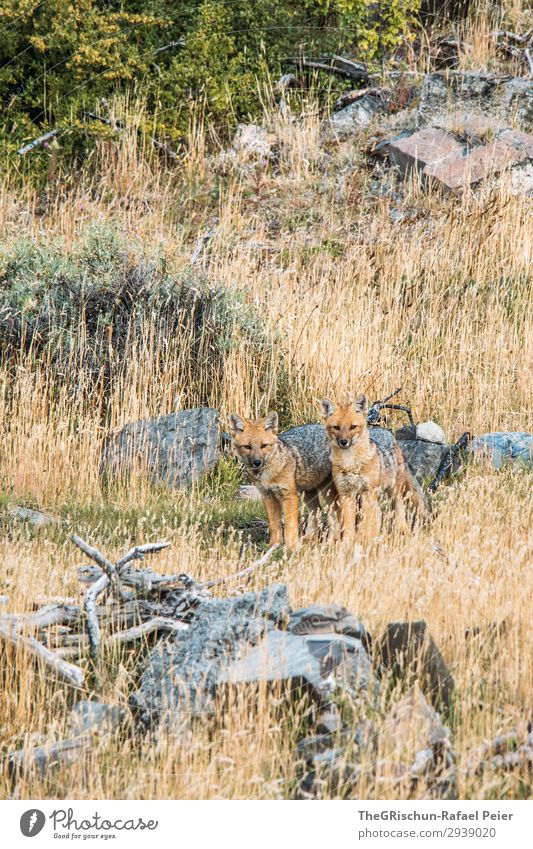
[169, 46]
[42, 758]
[103, 563]
[36, 142]
[158, 623]
[336, 65]
[255, 565]
[512, 36]
[89, 605]
[138, 552]
[139, 579]
[67, 672]
[50, 614]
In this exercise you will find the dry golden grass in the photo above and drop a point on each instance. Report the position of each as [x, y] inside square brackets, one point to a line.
[439, 303]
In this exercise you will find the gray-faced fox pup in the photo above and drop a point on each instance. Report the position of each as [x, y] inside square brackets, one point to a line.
[283, 466]
[365, 462]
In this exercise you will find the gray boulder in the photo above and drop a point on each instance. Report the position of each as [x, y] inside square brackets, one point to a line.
[423, 458]
[174, 449]
[325, 662]
[504, 447]
[182, 674]
[33, 517]
[356, 115]
[444, 93]
[254, 637]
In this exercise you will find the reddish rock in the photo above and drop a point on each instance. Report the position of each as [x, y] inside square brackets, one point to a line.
[479, 162]
[427, 147]
[468, 149]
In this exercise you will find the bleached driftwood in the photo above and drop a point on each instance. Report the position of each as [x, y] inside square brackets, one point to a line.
[138, 552]
[104, 564]
[158, 623]
[262, 561]
[335, 65]
[89, 605]
[50, 614]
[67, 672]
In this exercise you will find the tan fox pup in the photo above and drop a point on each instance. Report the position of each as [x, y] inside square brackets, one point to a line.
[365, 462]
[283, 466]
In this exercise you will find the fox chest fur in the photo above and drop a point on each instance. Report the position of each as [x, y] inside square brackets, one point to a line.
[355, 471]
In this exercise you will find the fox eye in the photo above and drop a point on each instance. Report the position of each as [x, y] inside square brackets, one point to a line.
[353, 427]
[336, 427]
[265, 445]
[248, 447]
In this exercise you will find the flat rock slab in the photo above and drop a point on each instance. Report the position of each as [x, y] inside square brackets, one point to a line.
[504, 447]
[324, 661]
[461, 152]
[174, 449]
[423, 149]
[356, 115]
[251, 638]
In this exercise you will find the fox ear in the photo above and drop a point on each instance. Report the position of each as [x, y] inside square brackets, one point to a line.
[236, 423]
[360, 404]
[328, 407]
[270, 422]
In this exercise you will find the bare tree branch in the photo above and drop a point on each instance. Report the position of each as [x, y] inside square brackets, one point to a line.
[255, 565]
[67, 672]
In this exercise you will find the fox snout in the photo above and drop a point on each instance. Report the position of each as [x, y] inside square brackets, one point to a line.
[256, 462]
[344, 443]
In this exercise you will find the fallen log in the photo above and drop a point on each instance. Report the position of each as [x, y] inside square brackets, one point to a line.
[50, 614]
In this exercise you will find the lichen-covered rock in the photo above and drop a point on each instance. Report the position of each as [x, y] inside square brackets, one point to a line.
[423, 458]
[181, 674]
[174, 449]
[446, 92]
[504, 447]
[355, 116]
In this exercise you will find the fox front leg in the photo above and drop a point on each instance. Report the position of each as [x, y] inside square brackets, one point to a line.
[399, 515]
[370, 515]
[347, 509]
[273, 511]
[290, 515]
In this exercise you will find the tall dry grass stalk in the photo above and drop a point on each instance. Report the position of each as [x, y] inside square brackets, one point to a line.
[439, 303]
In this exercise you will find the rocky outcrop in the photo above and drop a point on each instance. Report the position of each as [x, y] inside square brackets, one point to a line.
[174, 449]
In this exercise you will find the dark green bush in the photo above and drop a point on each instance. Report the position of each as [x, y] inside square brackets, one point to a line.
[82, 312]
[58, 59]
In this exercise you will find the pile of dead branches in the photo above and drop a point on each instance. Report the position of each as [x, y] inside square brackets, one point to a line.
[122, 606]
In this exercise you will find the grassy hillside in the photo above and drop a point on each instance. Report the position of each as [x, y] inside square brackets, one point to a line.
[331, 277]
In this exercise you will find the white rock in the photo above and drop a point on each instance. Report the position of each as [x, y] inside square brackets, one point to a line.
[253, 142]
[430, 432]
[34, 517]
[354, 116]
[248, 493]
